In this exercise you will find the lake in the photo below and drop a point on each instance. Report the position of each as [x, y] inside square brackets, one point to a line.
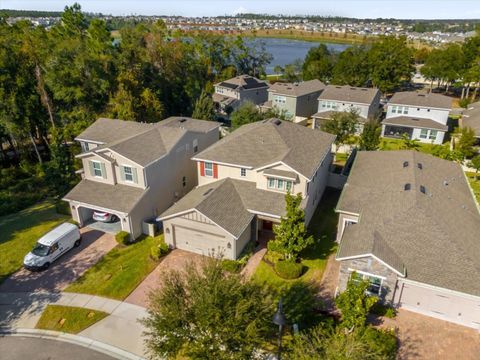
[286, 51]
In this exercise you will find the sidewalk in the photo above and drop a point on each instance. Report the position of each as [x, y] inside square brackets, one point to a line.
[121, 329]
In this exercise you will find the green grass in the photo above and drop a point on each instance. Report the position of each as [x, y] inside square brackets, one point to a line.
[474, 184]
[20, 231]
[396, 144]
[68, 319]
[119, 272]
[323, 227]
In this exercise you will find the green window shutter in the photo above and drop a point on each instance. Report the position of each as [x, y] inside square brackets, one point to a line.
[134, 174]
[104, 171]
[90, 166]
[122, 173]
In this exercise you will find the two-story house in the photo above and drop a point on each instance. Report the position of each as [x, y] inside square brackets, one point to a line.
[409, 224]
[135, 171]
[232, 93]
[420, 116]
[297, 100]
[471, 119]
[243, 180]
[364, 101]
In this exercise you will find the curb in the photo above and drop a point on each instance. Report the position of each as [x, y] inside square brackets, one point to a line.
[73, 339]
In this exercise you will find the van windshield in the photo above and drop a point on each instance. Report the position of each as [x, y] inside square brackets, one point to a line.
[40, 250]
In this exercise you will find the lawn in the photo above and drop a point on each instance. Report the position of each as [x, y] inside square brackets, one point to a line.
[323, 227]
[20, 231]
[474, 184]
[396, 144]
[119, 272]
[68, 319]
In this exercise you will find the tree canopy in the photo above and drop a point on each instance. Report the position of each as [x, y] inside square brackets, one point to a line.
[341, 124]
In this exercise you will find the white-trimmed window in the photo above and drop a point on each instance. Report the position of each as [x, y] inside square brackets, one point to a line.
[243, 172]
[279, 184]
[271, 183]
[399, 109]
[209, 169]
[375, 282]
[423, 133]
[428, 134]
[280, 99]
[128, 172]
[97, 169]
[433, 135]
[329, 104]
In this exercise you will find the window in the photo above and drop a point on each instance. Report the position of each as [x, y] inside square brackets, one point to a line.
[271, 183]
[375, 287]
[195, 146]
[85, 146]
[288, 185]
[184, 181]
[399, 109]
[423, 133]
[128, 172]
[243, 172]
[53, 248]
[279, 184]
[280, 99]
[432, 135]
[329, 104]
[97, 169]
[209, 169]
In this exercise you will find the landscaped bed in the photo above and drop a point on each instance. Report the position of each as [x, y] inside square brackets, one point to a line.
[20, 231]
[120, 271]
[68, 319]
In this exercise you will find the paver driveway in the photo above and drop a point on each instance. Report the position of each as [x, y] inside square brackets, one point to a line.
[66, 269]
[176, 260]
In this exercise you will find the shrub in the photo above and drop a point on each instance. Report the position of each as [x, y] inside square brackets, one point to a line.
[379, 341]
[62, 207]
[159, 250]
[232, 266]
[381, 309]
[123, 237]
[288, 269]
[464, 102]
[272, 257]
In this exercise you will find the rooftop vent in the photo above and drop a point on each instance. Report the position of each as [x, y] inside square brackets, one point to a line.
[445, 183]
[207, 192]
[422, 189]
[277, 122]
[364, 89]
[420, 166]
[422, 95]
[405, 164]
[183, 120]
[338, 87]
[407, 187]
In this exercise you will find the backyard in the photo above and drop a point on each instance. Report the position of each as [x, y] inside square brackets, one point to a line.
[474, 184]
[21, 230]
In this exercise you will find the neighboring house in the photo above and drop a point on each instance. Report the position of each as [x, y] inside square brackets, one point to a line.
[422, 117]
[409, 224]
[243, 180]
[231, 93]
[471, 118]
[298, 100]
[365, 101]
[137, 170]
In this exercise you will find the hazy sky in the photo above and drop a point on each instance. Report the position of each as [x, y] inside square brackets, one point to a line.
[406, 9]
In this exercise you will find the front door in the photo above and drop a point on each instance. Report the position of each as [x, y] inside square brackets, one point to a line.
[267, 225]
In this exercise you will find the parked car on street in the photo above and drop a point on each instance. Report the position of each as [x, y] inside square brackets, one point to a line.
[104, 216]
[51, 246]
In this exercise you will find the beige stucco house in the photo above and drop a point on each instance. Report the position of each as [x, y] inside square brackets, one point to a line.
[137, 170]
[242, 182]
[409, 224]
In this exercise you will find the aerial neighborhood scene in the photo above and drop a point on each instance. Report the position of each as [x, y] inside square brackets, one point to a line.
[240, 180]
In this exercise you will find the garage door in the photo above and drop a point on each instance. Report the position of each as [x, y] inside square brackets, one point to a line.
[443, 305]
[199, 242]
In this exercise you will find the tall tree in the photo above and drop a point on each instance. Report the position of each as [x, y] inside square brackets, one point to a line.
[204, 107]
[245, 114]
[466, 142]
[341, 124]
[352, 67]
[318, 64]
[370, 138]
[475, 163]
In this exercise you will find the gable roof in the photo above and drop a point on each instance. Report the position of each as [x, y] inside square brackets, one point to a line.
[142, 143]
[432, 234]
[270, 141]
[415, 98]
[229, 203]
[245, 82]
[471, 118]
[297, 89]
[349, 94]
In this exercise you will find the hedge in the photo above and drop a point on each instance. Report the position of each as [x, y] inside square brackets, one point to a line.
[123, 237]
[157, 251]
[288, 269]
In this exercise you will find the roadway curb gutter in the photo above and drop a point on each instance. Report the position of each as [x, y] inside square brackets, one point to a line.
[73, 339]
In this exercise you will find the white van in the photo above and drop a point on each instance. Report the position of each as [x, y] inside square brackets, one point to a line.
[52, 245]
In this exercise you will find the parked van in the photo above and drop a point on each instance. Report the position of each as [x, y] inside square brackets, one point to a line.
[51, 246]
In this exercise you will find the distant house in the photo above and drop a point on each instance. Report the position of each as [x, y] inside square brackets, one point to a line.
[422, 117]
[471, 118]
[409, 224]
[365, 101]
[231, 93]
[243, 180]
[297, 100]
[134, 170]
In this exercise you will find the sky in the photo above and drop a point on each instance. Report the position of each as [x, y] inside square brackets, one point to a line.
[406, 9]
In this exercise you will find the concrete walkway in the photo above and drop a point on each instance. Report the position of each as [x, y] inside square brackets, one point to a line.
[121, 329]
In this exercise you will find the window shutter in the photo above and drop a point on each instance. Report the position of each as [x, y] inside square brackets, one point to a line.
[134, 174]
[104, 172]
[215, 171]
[122, 173]
[90, 166]
[202, 168]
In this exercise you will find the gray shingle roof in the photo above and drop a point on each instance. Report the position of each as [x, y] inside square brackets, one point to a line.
[270, 141]
[117, 197]
[414, 98]
[471, 118]
[434, 235]
[414, 122]
[187, 123]
[349, 94]
[229, 203]
[297, 89]
[108, 130]
[243, 81]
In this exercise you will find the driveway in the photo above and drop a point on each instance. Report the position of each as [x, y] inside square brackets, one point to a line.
[109, 228]
[175, 260]
[66, 269]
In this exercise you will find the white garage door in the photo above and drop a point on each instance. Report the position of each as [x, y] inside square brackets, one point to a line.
[439, 304]
[199, 242]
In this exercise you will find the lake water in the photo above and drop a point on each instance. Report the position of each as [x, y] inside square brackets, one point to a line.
[286, 51]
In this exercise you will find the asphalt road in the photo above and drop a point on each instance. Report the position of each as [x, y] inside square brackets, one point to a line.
[24, 348]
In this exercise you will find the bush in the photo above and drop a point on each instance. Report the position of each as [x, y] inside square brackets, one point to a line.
[231, 266]
[272, 257]
[159, 250]
[464, 103]
[288, 269]
[123, 237]
[379, 341]
[381, 309]
[62, 207]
